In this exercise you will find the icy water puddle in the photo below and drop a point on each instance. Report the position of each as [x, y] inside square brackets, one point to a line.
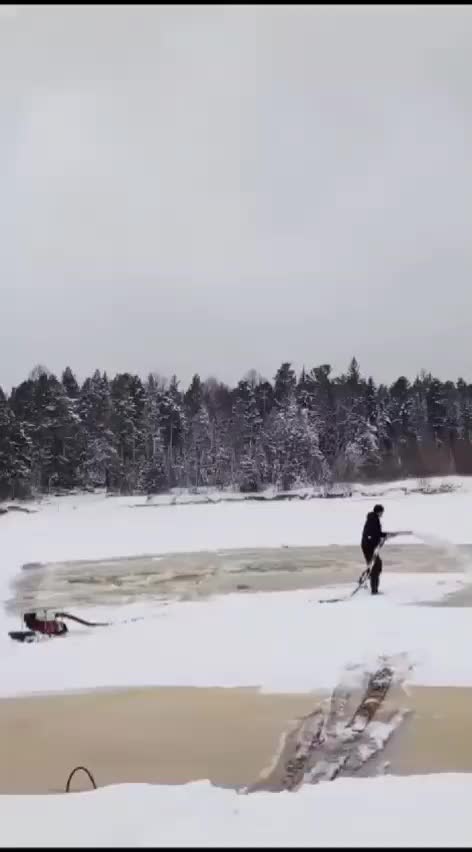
[173, 735]
[154, 735]
[197, 575]
[436, 737]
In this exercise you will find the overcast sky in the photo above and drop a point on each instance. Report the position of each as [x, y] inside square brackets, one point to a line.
[212, 189]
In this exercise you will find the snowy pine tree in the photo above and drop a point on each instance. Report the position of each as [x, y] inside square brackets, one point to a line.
[101, 462]
[127, 407]
[292, 447]
[14, 467]
[198, 436]
[285, 383]
[319, 428]
[246, 423]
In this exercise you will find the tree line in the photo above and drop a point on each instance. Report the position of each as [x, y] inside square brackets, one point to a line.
[132, 436]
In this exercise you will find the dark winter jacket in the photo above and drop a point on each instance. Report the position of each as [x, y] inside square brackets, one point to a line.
[372, 534]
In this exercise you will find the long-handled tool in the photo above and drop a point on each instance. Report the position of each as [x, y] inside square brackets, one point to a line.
[363, 579]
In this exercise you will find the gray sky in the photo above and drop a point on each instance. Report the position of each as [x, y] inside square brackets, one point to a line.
[218, 188]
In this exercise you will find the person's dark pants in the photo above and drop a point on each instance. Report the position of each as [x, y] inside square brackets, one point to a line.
[376, 569]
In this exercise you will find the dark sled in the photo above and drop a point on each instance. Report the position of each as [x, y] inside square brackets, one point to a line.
[23, 635]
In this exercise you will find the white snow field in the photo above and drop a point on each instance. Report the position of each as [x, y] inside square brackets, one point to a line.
[422, 811]
[278, 641]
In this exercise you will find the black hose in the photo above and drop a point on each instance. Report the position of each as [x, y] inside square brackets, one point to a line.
[84, 769]
[82, 621]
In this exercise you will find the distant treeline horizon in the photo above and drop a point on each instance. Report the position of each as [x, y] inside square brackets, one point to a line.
[310, 428]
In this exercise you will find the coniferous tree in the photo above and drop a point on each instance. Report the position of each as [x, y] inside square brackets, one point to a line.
[285, 383]
[101, 465]
[310, 429]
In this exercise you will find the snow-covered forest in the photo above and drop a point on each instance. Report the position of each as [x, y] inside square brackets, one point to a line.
[133, 436]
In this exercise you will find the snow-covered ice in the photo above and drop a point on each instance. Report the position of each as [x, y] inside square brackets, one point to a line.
[94, 527]
[431, 810]
[281, 641]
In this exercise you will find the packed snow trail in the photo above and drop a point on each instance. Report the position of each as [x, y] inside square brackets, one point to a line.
[332, 739]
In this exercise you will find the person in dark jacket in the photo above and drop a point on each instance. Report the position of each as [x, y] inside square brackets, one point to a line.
[372, 537]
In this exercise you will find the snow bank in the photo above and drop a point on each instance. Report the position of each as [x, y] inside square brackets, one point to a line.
[428, 810]
[281, 642]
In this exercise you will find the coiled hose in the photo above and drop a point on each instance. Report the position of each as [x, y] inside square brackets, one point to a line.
[87, 772]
